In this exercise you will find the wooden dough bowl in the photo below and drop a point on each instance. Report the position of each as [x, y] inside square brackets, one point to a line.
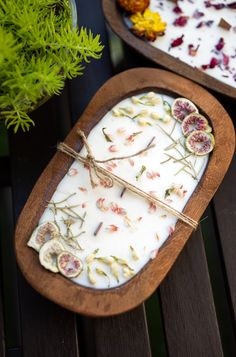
[115, 20]
[98, 302]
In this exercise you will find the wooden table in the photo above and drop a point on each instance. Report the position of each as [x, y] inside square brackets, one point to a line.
[191, 314]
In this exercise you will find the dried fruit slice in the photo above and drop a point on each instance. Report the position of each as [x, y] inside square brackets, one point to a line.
[48, 254]
[200, 143]
[195, 121]
[69, 265]
[182, 107]
[41, 234]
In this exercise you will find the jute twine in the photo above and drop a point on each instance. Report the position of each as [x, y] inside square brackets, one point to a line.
[102, 174]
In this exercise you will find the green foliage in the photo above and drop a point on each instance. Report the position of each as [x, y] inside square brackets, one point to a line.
[39, 49]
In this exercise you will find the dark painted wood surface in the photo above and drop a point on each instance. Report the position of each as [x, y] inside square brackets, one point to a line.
[188, 306]
[225, 211]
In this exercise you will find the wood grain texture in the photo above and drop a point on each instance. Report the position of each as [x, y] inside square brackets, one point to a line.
[47, 329]
[225, 210]
[117, 300]
[188, 307]
[125, 335]
[114, 18]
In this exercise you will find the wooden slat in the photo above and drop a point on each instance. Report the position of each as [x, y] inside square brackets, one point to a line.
[2, 337]
[225, 211]
[47, 330]
[188, 307]
[125, 335]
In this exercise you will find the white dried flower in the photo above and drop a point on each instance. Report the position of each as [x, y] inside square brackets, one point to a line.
[91, 277]
[127, 272]
[135, 100]
[166, 118]
[143, 113]
[151, 95]
[127, 110]
[134, 253]
[116, 112]
[155, 116]
[115, 271]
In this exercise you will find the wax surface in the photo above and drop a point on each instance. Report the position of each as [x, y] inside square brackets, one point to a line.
[132, 229]
[201, 30]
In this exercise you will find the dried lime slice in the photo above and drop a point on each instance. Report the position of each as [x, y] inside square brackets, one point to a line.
[48, 254]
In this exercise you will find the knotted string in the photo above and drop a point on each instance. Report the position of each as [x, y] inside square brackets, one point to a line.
[103, 174]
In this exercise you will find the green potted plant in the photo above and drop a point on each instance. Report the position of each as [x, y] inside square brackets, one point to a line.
[40, 47]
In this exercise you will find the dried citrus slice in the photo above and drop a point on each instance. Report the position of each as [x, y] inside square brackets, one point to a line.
[69, 265]
[200, 143]
[195, 121]
[41, 234]
[182, 107]
[48, 254]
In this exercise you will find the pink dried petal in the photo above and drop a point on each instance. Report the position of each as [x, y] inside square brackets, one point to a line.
[220, 44]
[105, 183]
[216, 6]
[197, 14]
[171, 230]
[177, 42]
[225, 59]
[112, 228]
[154, 253]
[177, 10]
[131, 162]
[152, 193]
[86, 166]
[152, 208]
[121, 131]
[110, 165]
[213, 63]
[232, 5]
[83, 189]
[168, 200]
[113, 148]
[72, 172]
[152, 175]
[117, 209]
[100, 204]
[181, 21]
[205, 23]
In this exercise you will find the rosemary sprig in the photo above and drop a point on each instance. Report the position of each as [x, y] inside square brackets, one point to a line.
[139, 174]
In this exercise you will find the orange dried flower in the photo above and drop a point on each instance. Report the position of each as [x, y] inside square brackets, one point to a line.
[133, 6]
[148, 25]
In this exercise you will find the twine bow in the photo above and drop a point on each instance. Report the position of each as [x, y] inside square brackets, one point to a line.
[102, 174]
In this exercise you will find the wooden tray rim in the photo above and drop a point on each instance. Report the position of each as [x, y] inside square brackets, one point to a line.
[113, 16]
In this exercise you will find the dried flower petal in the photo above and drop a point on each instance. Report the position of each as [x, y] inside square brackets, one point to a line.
[112, 228]
[177, 10]
[83, 189]
[100, 205]
[91, 277]
[220, 44]
[117, 209]
[197, 14]
[113, 148]
[89, 258]
[171, 230]
[177, 42]
[153, 254]
[181, 21]
[72, 172]
[152, 208]
[152, 175]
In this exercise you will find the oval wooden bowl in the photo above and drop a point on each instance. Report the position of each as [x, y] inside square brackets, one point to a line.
[117, 300]
[115, 20]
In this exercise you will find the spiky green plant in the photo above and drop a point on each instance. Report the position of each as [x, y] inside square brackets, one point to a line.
[39, 49]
